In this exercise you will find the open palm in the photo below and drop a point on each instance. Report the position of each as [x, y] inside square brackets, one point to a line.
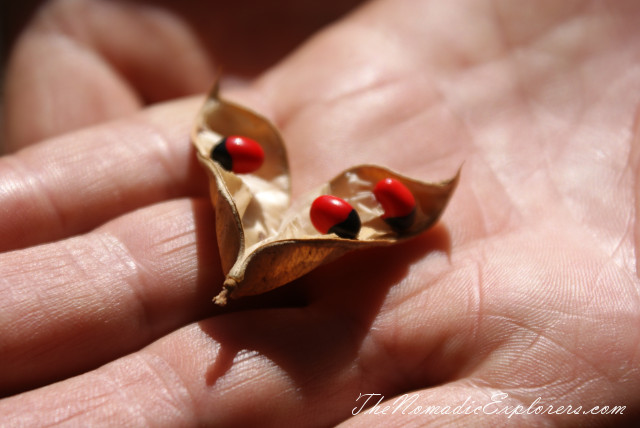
[526, 289]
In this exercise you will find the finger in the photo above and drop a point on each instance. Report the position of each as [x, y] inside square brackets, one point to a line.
[72, 305]
[71, 69]
[203, 374]
[73, 183]
[83, 62]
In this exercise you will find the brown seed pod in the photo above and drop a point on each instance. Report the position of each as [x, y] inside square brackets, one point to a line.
[264, 242]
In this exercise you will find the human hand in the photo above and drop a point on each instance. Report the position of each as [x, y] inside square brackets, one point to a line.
[528, 285]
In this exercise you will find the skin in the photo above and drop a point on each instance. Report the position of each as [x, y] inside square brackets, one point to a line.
[528, 286]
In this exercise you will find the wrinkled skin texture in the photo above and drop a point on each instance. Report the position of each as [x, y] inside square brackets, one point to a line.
[528, 285]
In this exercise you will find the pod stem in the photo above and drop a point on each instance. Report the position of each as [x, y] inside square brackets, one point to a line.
[229, 286]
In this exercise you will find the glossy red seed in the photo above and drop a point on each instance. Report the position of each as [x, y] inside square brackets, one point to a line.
[395, 198]
[246, 154]
[330, 214]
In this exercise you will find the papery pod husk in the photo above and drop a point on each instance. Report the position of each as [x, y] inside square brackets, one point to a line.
[264, 242]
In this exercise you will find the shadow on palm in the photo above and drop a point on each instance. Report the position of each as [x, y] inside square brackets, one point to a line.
[315, 325]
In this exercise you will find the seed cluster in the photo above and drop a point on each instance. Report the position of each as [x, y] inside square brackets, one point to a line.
[328, 213]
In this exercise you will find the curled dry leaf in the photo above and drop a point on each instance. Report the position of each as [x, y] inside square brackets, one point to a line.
[264, 241]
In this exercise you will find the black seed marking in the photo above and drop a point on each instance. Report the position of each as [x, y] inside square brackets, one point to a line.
[349, 228]
[221, 155]
[400, 224]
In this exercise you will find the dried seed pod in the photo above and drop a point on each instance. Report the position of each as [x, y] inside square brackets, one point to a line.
[264, 242]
